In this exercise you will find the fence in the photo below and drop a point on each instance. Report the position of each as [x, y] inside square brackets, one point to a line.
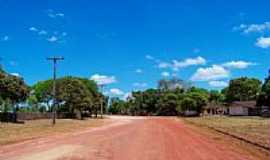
[12, 117]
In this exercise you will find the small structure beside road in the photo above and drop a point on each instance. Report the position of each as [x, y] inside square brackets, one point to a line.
[244, 108]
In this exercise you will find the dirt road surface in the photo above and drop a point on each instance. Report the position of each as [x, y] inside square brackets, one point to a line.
[126, 139]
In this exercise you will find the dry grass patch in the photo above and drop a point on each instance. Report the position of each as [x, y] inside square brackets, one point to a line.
[11, 133]
[253, 129]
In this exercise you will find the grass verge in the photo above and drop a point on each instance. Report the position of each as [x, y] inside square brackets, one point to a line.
[12, 133]
[238, 132]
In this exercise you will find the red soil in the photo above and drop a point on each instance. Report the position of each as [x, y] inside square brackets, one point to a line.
[137, 139]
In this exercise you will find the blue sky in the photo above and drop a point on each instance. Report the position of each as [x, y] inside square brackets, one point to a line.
[130, 44]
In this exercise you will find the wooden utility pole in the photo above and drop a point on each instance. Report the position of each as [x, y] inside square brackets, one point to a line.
[54, 60]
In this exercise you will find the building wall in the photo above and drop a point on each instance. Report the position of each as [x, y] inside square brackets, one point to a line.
[238, 111]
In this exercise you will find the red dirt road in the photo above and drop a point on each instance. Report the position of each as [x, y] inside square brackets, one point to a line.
[138, 139]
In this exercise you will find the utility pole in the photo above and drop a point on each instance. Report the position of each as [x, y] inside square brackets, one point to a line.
[54, 60]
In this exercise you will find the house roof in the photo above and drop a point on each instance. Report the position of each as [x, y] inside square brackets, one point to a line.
[247, 104]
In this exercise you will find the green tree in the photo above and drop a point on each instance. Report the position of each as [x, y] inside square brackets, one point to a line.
[243, 89]
[73, 95]
[264, 97]
[167, 104]
[43, 91]
[200, 99]
[118, 106]
[187, 104]
[216, 97]
[32, 101]
[13, 88]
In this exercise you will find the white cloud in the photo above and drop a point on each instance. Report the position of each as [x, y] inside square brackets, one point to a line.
[215, 72]
[53, 14]
[127, 95]
[218, 84]
[238, 64]
[103, 79]
[34, 29]
[60, 14]
[164, 65]
[263, 42]
[116, 92]
[253, 28]
[5, 38]
[165, 74]
[52, 39]
[140, 85]
[149, 57]
[42, 32]
[15, 74]
[188, 62]
[138, 71]
[176, 65]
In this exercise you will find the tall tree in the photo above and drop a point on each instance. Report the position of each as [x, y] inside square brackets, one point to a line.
[264, 97]
[43, 91]
[243, 89]
[13, 88]
[73, 95]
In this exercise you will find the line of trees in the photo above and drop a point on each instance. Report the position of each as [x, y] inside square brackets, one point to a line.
[81, 96]
[176, 97]
[74, 95]
[162, 102]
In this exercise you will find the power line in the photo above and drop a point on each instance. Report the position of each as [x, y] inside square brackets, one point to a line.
[54, 60]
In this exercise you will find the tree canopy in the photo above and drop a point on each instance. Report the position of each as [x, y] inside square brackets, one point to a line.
[13, 88]
[73, 93]
[264, 97]
[163, 101]
[242, 89]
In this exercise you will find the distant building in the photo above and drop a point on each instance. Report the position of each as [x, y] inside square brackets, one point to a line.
[244, 108]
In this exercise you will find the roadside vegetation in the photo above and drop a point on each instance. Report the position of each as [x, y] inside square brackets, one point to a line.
[14, 132]
[253, 129]
[176, 97]
[79, 97]
[75, 96]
